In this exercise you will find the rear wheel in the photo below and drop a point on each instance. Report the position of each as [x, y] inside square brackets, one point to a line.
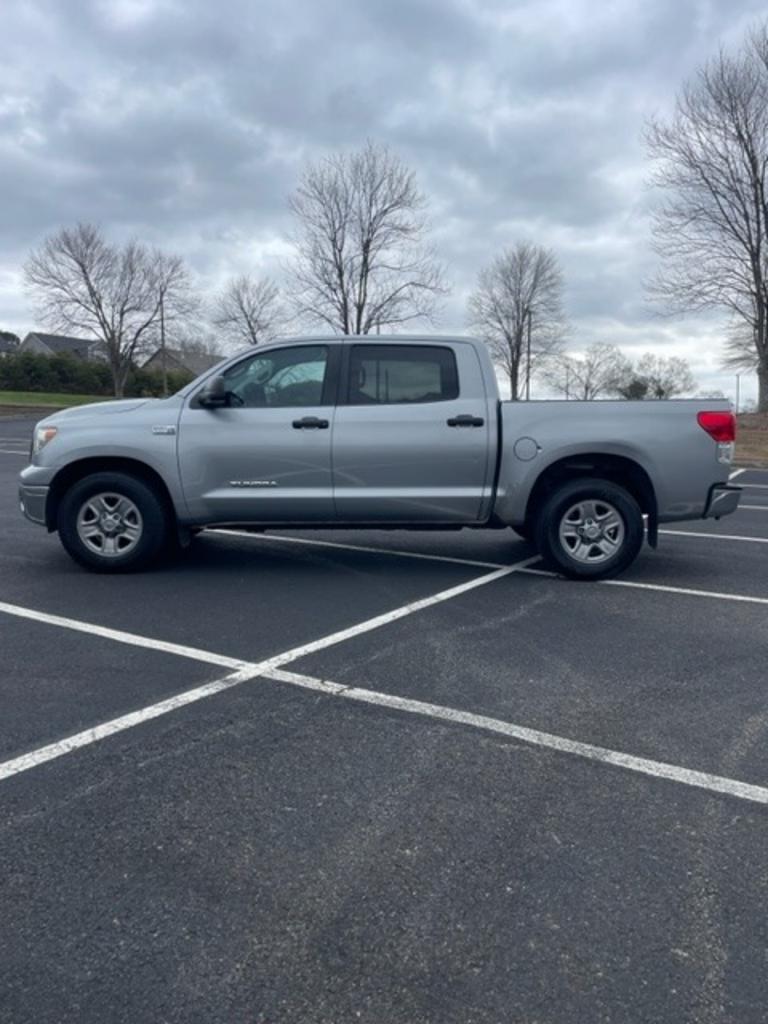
[590, 529]
[113, 522]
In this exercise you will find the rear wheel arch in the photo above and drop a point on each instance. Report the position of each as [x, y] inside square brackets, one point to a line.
[589, 528]
[82, 468]
[617, 469]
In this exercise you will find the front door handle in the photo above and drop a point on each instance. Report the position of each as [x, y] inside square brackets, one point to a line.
[310, 423]
[466, 421]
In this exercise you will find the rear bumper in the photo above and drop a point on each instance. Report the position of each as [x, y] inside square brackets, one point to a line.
[723, 499]
[32, 501]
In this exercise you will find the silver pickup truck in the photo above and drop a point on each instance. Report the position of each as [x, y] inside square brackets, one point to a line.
[378, 432]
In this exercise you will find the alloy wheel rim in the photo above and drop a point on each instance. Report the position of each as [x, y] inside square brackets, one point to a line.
[592, 531]
[109, 524]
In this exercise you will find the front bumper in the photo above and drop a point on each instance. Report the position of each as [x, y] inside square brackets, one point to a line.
[723, 499]
[32, 500]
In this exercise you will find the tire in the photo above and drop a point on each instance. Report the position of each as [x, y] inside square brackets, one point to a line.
[113, 522]
[590, 529]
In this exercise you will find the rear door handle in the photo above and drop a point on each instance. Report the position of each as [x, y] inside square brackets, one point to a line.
[310, 423]
[466, 421]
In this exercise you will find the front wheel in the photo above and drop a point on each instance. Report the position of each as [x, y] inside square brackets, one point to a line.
[590, 529]
[113, 522]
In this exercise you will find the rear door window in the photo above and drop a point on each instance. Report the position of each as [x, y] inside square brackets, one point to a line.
[399, 374]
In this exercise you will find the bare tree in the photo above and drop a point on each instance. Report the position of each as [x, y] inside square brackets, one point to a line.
[741, 347]
[117, 294]
[711, 393]
[666, 376]
[248, 310]
[517, 309]
[712, 228]
[361, 261]
[600, 371]
[657, 377]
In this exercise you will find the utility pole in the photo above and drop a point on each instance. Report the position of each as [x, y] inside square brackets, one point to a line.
[567, 381]
[528, 359]
[738, 388]
[163, 360]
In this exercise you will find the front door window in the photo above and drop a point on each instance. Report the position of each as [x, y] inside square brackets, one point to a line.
[280, 378]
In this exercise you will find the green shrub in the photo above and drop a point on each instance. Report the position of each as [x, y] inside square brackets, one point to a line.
[66, 374]
[149, 383]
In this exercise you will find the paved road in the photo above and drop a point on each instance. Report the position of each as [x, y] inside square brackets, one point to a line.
[272, 853]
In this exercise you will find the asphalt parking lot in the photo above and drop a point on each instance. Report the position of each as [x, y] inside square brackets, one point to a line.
[384, 777]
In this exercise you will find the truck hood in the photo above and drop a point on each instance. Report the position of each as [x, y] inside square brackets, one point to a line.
[100, 409]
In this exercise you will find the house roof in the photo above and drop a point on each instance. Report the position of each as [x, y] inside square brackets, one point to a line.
[195, 362]
[63, 343]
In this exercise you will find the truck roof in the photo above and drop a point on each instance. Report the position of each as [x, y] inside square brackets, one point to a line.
[375, 339]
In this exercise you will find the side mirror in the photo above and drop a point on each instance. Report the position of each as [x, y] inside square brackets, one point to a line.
[214, 394]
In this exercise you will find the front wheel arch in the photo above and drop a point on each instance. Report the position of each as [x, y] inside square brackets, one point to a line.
[72, 473]
[100, 509]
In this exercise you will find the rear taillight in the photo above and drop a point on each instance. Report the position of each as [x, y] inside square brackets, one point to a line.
[721, 426]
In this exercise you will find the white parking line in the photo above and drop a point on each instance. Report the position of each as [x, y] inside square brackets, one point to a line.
[100, 732]
[356, 547]
[716, 536]
[399, 613]
[270, 669]
[762, 487]
[664, 588]
[7, 451]
[443, 558]
[197, 654]
[754, 508]
[91, 629]
[245, 670]
[736, 472]
[685, 591]
[688, 591]
[642, 765]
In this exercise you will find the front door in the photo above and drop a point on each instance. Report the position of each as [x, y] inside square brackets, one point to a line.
[409, 443]
[266, 456]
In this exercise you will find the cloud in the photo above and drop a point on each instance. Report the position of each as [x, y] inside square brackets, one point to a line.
[186, 123]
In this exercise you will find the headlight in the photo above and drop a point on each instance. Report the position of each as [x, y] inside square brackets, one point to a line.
[42, 436]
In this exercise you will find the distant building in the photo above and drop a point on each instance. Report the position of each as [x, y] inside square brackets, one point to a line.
[88, 349]
[178, 361]
[7, 347]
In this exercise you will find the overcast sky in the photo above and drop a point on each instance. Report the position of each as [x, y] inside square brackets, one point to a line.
[185, 123]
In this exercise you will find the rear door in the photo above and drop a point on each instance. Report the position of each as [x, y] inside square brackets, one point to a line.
[411, 434]
[266, 457]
